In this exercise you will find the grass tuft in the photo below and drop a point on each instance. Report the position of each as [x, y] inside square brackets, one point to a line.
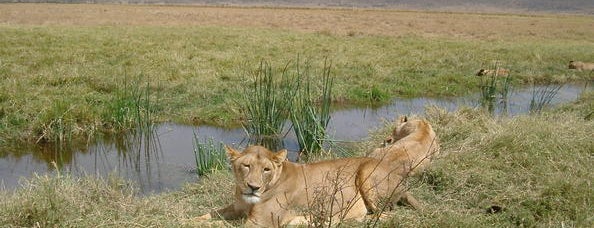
[267, 102]
[210, 156]
[542, 97]
[310, 115]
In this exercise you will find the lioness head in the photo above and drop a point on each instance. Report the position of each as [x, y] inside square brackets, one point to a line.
[575, 64]
[481, 72]
[256, 170]
[404, 128]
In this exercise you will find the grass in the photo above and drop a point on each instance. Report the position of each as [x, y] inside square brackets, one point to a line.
[267, 102]
[83, 63]
[288, 93]
[99, 68]
[537, 168]
[310, 115]
[494, 90]
[209, 155]
[542, 97]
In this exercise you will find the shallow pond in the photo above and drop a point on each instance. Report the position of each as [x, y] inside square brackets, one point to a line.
[165, 160]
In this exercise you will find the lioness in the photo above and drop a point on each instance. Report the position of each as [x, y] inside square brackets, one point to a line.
[497, 72]
[581, 65]
[270, 191]
[413, 143]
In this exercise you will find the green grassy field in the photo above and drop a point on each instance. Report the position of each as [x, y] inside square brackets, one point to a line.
[68, 76]
[537, 168]
[79, 77]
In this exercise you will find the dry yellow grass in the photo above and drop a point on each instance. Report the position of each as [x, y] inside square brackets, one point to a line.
[334, 21]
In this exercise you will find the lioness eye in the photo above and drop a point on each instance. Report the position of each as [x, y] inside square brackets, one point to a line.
[266, 169]
[246, 166]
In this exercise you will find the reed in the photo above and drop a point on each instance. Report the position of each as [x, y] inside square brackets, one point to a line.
[542, 97]
[210, 156]
[132, 108]
[59, 129]
[488, 93]
[494, 90]
[309, 119]
[267, 102]
[504, 93]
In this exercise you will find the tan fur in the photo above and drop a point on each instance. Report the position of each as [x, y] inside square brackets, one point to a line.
[581, 65]
[499, 72]
[340, 189]
[413, 143]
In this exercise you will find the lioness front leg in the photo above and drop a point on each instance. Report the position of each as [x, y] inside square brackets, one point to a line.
[272, 213]
[409, 199]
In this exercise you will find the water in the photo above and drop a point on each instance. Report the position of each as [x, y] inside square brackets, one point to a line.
[165, 159]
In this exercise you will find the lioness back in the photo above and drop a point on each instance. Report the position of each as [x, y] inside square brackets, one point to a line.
[493, 72]
[412, 143]
[578, 65]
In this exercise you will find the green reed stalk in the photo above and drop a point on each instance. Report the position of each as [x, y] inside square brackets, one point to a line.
[543, 97]
[209, 156]
[495, 88]
[309, 120]
[504, 93]
[488, 93]
[267, 102]
[132, 108]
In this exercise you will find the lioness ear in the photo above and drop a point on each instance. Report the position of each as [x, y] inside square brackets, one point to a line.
[280, 156]
[232, 153]
[403, 119]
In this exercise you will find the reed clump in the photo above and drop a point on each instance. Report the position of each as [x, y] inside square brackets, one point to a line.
[210, 156]
[292, 93]
[310, 115]
[542, 97]
[494, 90]
[266, 103]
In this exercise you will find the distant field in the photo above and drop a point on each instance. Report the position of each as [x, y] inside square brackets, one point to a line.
[525, 6]
[70, 68]
[334, 21]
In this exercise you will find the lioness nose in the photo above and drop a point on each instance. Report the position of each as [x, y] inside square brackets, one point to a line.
[253, 187]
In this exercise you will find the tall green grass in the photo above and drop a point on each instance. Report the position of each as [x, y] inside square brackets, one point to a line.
[542, 97]
[494, 91]
[132, 107]
[210, 156]
[267, 102]
[85, 68]
[290, 93]
[310, 115]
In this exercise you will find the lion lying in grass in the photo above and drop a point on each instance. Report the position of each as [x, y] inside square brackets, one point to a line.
[271, 191]
[499, 72]
[413, 143]
[581, 65]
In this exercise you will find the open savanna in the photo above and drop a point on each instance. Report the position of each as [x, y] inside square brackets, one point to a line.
[70, 71]
[75, 70]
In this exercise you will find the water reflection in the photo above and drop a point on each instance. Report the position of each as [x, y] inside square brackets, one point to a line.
[162, 158]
